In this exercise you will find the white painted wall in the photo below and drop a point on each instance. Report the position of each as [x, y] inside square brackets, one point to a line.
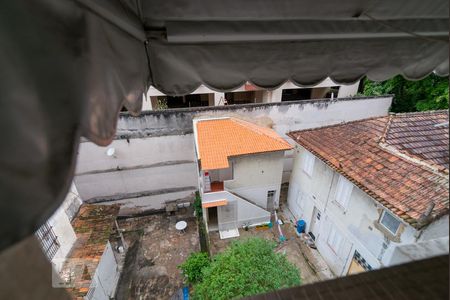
[436, 229]
[357, 224]
[419, 250]
[63, 229]
[106, 276]
[143, 173]
[255, 175]
[348, 90]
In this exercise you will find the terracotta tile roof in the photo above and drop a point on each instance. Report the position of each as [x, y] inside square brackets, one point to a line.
[93, 226]
[405, 186]
[218, 139]
[417, 135]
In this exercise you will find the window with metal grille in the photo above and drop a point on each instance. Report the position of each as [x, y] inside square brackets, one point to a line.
[48, 240]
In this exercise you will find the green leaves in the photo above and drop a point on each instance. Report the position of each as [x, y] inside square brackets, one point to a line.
[246, 268]
[193, 266]
[430, 93]
[198, 205]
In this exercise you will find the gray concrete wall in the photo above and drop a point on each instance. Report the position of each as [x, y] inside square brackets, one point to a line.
[154, 158]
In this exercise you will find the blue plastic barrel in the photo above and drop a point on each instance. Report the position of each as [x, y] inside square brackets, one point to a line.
[301, 225]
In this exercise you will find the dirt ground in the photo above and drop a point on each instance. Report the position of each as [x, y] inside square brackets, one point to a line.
[155, 250]
[308, 261]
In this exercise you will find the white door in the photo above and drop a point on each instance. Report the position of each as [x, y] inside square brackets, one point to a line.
[315, 223]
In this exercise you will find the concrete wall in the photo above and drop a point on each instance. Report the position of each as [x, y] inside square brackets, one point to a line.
[106, 276]
[255, 175]
[237, 213]
[154, 158]
[60, 223]
[143, 174]
[358, 224]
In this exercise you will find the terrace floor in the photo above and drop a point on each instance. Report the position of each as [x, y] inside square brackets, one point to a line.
[155, 250]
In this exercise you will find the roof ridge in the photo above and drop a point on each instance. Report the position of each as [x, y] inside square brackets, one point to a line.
[428, 112]
[240, 123]
[337, 125]
[382, 138]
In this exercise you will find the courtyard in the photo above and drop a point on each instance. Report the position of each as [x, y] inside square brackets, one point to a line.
[311, 265]
[156, 248]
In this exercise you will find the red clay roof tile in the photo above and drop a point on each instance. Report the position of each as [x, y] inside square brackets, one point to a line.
[400, 174]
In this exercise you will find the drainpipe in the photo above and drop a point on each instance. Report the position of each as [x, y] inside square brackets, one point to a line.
[282, 237]
[124, 244]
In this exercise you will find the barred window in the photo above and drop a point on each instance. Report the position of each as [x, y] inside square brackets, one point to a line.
[48, 240]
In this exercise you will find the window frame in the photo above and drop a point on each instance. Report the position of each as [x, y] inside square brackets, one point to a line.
[334, 246]
[308, 163]
[48, 240]
[393, 217]
[341, 196]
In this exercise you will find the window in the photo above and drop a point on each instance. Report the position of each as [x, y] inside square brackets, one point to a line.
[334, 239]
[343, 192]
[48, 240]
[390, 222]
[72, 209]
[308, 163]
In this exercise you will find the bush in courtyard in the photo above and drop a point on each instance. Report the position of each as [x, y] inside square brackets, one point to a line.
[193, 266]
[246, 268]
[198, 206]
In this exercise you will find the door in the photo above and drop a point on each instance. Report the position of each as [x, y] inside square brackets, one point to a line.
[355, 268]
[315, 222]
[358, 264]
[270, 200]
[212, 219]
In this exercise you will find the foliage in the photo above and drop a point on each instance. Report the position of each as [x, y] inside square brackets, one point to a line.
[193, 266]
[430, 93]
[203, 236]
[162, 104]
[198, 205]
[246, 268]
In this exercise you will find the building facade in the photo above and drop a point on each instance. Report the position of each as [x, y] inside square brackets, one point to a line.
[240, 168]
[366, 205]
[57, 236]
[154, 158]
[248, 93]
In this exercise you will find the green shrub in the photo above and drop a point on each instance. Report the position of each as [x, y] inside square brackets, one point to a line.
[246, 268]
[198, 206]
[193, 266]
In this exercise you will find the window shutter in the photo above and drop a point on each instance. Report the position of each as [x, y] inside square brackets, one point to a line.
[343, 191]
[308, 163]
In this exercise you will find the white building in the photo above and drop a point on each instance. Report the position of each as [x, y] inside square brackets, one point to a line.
[240, 172]
[75, 240]
[57, 236]
[91, 270]
[374, 192]
[248, 93]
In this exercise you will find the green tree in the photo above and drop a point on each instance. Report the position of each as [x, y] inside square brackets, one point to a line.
[430, 93]
[246, 268]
